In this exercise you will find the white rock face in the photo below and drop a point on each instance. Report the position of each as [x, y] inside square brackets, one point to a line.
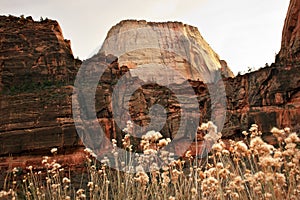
[142, 45]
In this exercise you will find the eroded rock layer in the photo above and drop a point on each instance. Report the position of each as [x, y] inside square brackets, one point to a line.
[34, 54]
[290, 44]
[173, 44]
[37, 70]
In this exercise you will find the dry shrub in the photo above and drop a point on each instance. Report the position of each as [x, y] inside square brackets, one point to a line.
[248, 169]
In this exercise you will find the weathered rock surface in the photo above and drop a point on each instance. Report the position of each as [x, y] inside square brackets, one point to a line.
[37, 69]
[38, 116]
[173, 44]
[290, 45]
[268, 97]
[34, 54]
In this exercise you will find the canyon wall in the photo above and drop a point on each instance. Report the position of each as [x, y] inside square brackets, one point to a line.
[37, 70]
[173, 44]
[290, 44]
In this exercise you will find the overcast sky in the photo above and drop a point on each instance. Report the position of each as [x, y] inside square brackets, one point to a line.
[245, 33]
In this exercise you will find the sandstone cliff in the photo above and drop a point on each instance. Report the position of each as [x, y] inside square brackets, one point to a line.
[290, 45]
[37, 70]
[173, 44]
[268, 97]
[33, 54]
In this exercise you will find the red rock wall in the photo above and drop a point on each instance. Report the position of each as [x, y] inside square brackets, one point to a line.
[37, 117]
[268, 97]
[290, 45]
[33, 54]
[37, 68]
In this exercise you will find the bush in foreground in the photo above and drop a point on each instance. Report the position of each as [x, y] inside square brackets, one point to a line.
[247, 169]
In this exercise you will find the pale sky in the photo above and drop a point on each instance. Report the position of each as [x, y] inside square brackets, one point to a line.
[245, 33]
